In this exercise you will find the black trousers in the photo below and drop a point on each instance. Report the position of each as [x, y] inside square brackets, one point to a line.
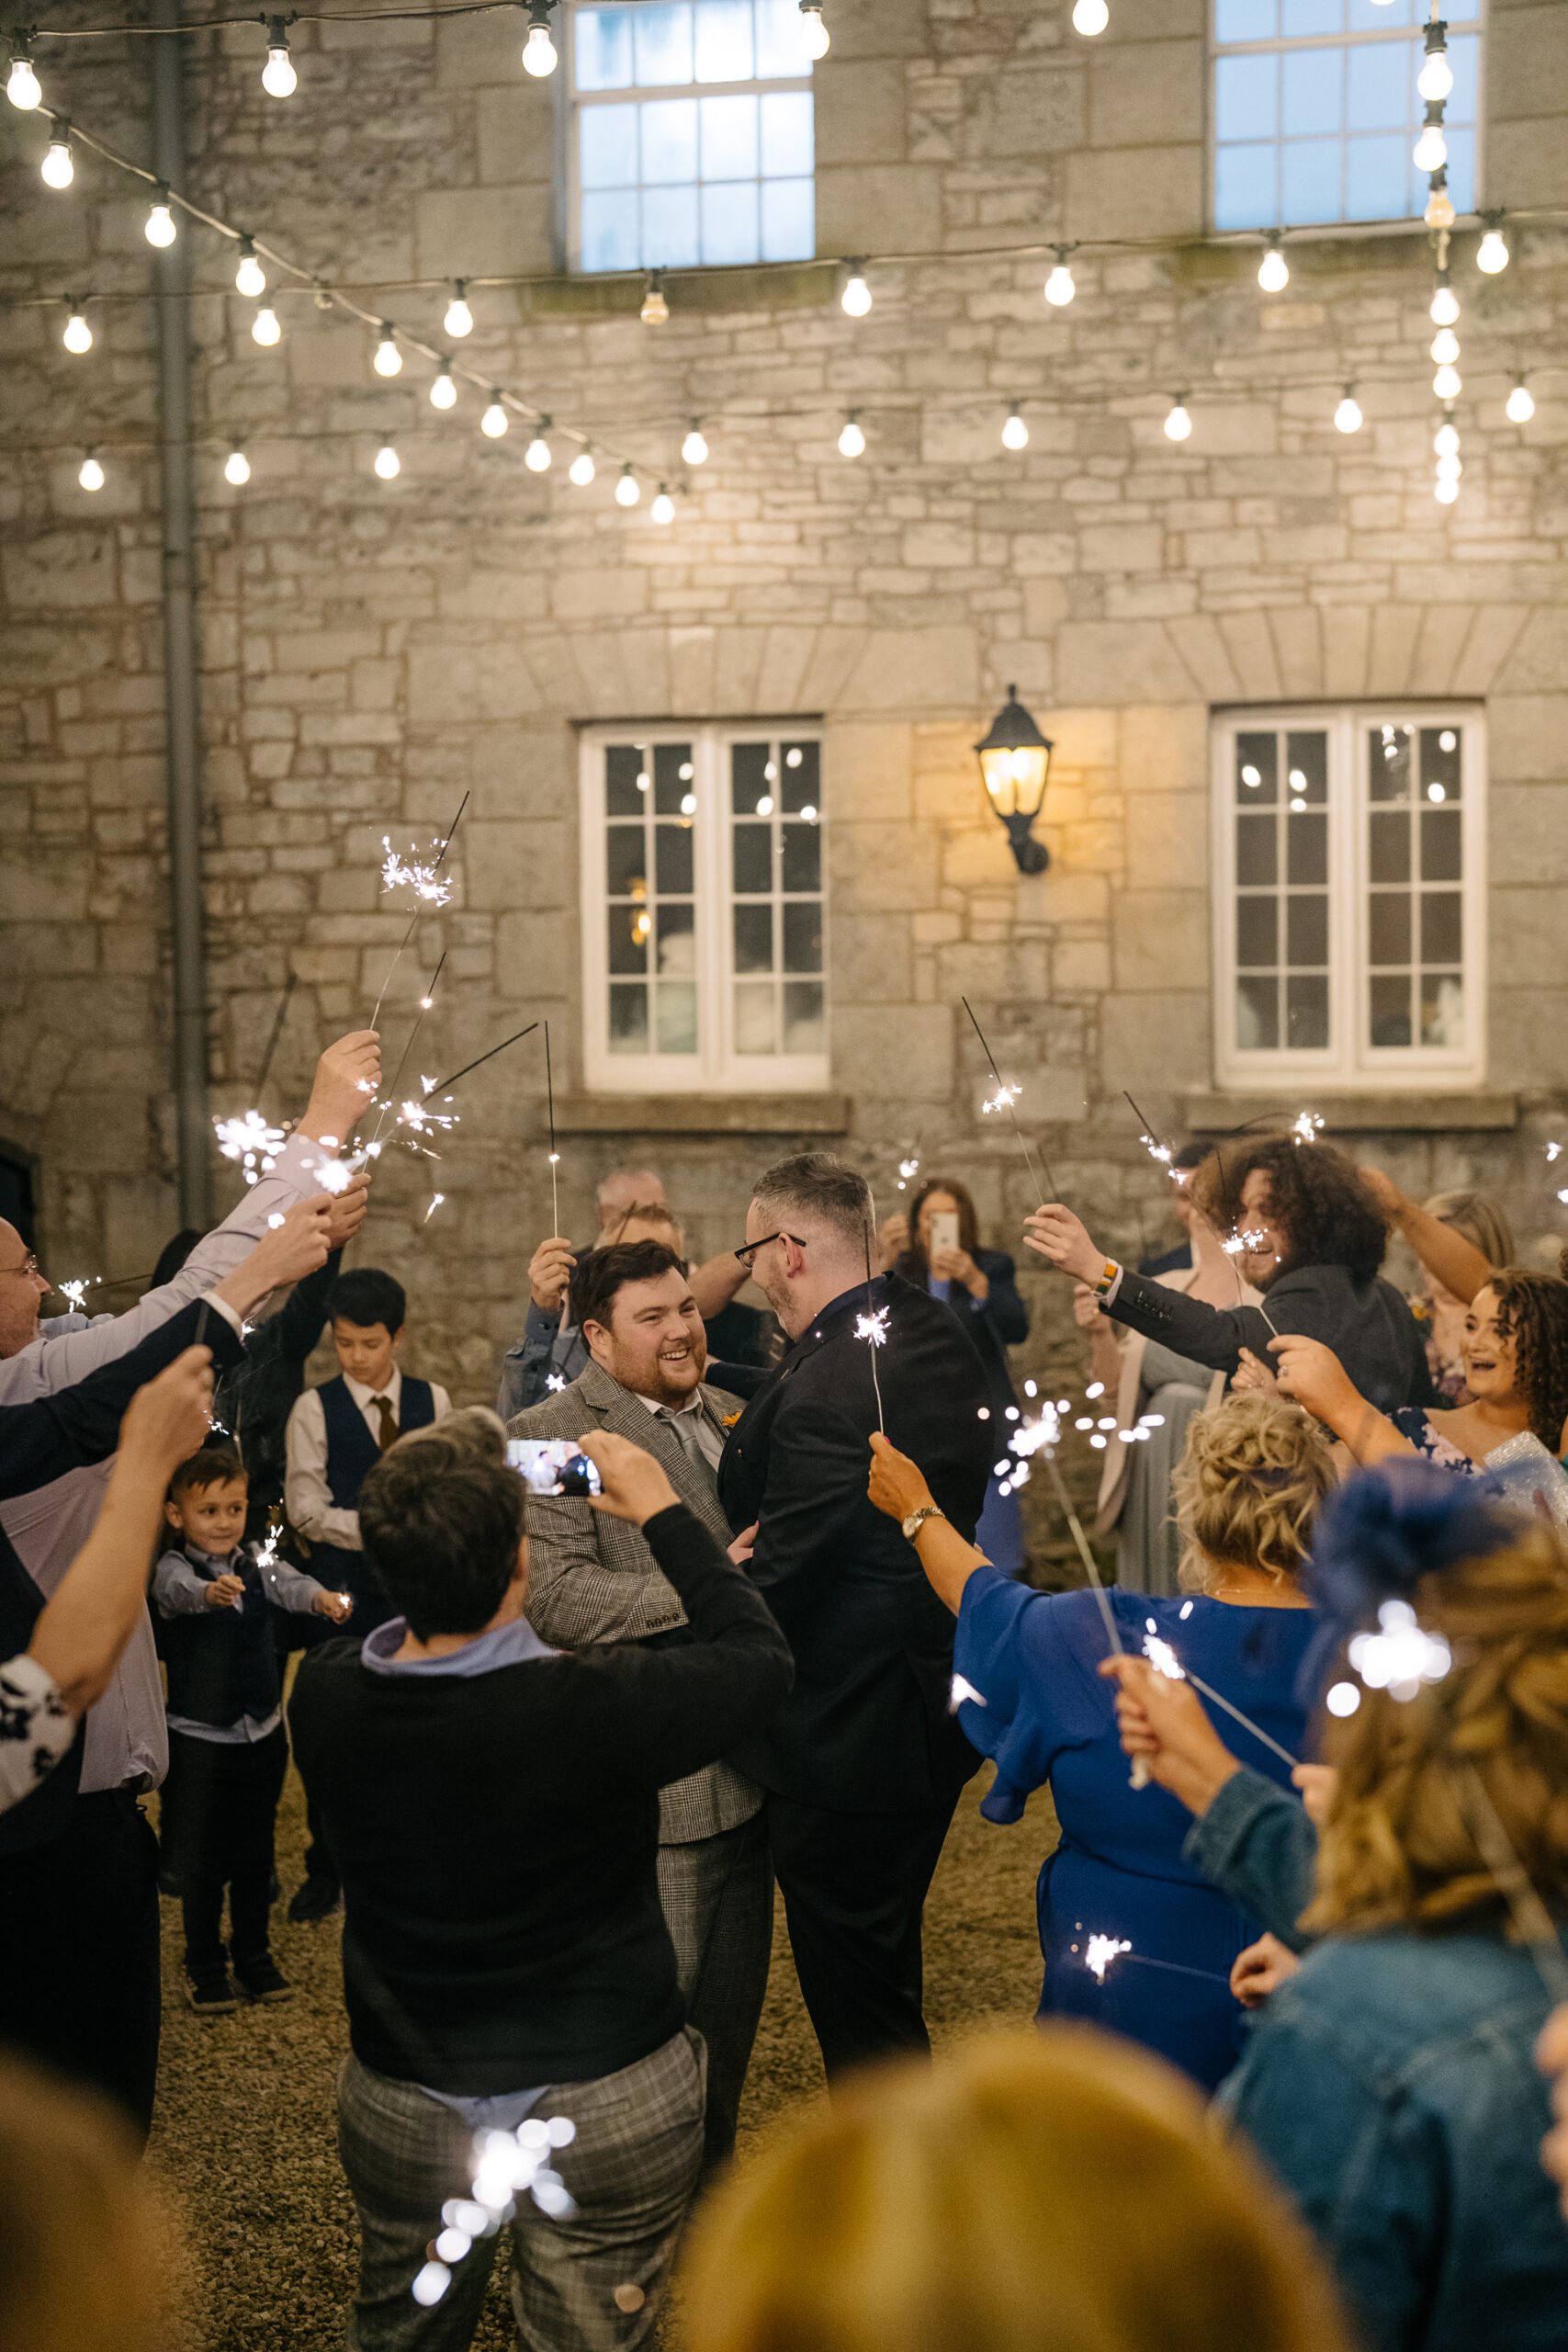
[225, 1802]
[855, 1888]
[79, 1987]
[344, 1572]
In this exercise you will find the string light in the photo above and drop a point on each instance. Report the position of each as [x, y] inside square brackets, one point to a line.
[663, 507]
[460, 319]
[539, 50]
[160, 229]
[1444, 312]
[1015, 432]
[1445, 347]
[278, 78]
[443, 390]
[1520, 407]
[238, 468]
[855, 299]
[91, 476]
[250, 278]
[387, 359]
[852, 440]
[1060, 287]
[1447, 383]
[494, 420]
[1090, 16]
[388, 465]
[1273, 270]
[693, 448]
[655, 309]
[628, 489]
[1348, 416]
[22, 83]
[265, 328]
[58, 168]
[581, 468]
[1430, 151]
[1445, 441]
[1492, 254]
[536, 456]
[814, 34]
[1436, 79]
[1439, 212]
[78, 335]
[1179, 424]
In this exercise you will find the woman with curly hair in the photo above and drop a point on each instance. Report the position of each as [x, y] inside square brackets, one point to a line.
[1135, 1937]
[1310, 1232]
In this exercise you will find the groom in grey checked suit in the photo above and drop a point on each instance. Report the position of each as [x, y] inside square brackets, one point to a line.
[593, 1578]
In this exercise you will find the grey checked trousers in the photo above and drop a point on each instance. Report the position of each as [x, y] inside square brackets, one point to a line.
[631, 2171]
[717, 1897]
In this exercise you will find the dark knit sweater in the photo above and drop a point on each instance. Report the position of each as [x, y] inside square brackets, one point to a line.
[498, 1834]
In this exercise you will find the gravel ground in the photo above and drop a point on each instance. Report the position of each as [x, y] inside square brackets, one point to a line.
[244, 2138]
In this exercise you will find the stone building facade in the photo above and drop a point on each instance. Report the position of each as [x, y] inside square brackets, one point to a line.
[370, 651]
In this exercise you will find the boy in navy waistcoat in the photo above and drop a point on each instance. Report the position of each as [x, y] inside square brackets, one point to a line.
[228, 1752]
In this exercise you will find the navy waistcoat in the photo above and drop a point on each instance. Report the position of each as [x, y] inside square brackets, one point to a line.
[224, 1664]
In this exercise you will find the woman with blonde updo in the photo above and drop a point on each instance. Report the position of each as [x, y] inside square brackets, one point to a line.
[1135, 1939]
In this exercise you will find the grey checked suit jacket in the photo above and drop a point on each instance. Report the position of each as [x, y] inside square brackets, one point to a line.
[593, 1578]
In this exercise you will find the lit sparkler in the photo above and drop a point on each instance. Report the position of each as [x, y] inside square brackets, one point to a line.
[555, 1155]
[76, 1292]
[423, 880]
[1402, 1655]
[1102, 1951]
[961, 1690]
[872, 1327]
[556, 1380]
[413, 918]
[506, 2164]
[1553, 1151]
[1306, 1126]
[908, 1167]
[436, 1199]
[426, 1001]
[1005, 1098]
[1164, 1660]
[249, 1139]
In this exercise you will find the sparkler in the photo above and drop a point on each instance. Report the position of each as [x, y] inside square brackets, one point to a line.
[962, 1688]
[1039, 1437]
[908, 1167]
[289, 985]
[76, 1292]
[1004, 1099]
[1306, 1126]
[556, 1380]
[440, 1088]
[555, 1155]
[249, 1139]
[413, 918]
[426, 1001]
[1164, 1660]
[1237, 1242]
[421, 879]
[872, 1327]
[1102, 1950]
[505, 2165]
[436, 1199]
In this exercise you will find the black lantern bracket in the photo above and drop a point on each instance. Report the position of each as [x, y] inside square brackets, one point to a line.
[1015, 766]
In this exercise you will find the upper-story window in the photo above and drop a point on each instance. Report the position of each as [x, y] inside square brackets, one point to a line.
[1316, 111]
[694, 139]
[1349, 932]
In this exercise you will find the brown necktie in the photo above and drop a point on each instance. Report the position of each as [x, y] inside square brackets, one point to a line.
[388, 1433]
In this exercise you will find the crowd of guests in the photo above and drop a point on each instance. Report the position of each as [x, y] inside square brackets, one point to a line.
[562, 1736]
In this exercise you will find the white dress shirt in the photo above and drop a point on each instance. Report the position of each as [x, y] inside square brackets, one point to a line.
[307, 1497]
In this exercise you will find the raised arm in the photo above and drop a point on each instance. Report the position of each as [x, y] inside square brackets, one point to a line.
[1314, 1376]
[1458, 1264]
[898, 1487]
[41, 1441]
[1211, 1335]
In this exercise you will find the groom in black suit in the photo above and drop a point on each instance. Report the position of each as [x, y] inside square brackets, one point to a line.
[863, 1763]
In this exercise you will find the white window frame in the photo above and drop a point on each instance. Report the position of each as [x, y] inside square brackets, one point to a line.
[634, 95]
[1347, 1065]
[1471, 23]
[715, 1067]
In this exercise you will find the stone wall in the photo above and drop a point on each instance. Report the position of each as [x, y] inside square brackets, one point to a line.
[371, 651]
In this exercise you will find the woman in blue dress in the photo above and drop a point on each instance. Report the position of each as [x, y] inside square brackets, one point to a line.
[1135, 1937]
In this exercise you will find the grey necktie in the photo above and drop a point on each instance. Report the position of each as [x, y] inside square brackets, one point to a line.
[684, 1427]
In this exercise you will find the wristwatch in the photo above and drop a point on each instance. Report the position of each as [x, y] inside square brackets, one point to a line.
[916, 1518]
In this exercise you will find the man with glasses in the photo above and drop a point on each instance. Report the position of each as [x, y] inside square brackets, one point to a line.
[863, 1763]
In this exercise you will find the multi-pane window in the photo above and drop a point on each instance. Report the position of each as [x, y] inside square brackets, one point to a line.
[705, 963]
[1348, 931]
[1316, 111]
[694, 139]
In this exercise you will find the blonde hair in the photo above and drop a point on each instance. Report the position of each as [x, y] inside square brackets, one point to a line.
[1253, 1473]
[1044, 2191]
[1396, 1847]
[83, 2247]
[1479, 1219]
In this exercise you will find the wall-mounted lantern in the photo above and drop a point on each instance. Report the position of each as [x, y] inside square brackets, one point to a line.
[1015, 760]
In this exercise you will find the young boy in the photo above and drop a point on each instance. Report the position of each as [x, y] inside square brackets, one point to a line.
[228, 1752]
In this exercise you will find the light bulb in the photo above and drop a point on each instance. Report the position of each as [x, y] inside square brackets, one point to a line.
[1177, 424]
[1492, 254]
[1444, 312]
[1059, 287]
[580, 469]
[1445, 347]
[443, 390]
[265, 328]
[1449, 469]
[856, 296]
[1446, 384]
[1348, 416]
[536, 456]
[628, 490]
[387, 360]
[1439, 212]
[78, 335]
[459, 318]
[852, 440]
[1445, 492]
[693, 448]
[278, 78]
[250, 278]
[388, 462]
[539, 50]
[663, 507]
[160, 230]
[21, 83]
[1015, 432]
[1430, 151]
[494, 420]
[1445, 441]
[1436, 79]
[1273, 270]
[58, 168]
[1520, 407]
[1090, 16]
[813, 31]
[238, 468]
[655, 309]
[92, 474]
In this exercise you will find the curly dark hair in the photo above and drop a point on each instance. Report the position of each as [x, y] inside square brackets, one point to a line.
[1532, 1310]
[1316, 1197]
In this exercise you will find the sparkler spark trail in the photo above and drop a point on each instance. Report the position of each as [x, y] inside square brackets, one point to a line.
[249, 1139]
[421, 880]
[76, 1293]
[1005, 1097]
[1306, 1126]
[413, 918]
[873, 1326]
[1102, 1950]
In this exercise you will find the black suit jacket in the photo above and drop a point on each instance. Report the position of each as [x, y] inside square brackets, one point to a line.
[1368, 1324]
[867, 1728]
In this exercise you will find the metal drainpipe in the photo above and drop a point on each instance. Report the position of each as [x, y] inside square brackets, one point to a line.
[184, 751]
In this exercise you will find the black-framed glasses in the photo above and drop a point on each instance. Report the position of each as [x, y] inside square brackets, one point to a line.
[750, 1251]
[27, 1266]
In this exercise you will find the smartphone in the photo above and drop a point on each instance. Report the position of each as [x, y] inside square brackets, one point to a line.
[552, 1465]
[944, 1229]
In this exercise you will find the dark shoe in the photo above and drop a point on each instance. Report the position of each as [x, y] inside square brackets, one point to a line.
[210, 1993]
[261, 1980]
[317, 1899]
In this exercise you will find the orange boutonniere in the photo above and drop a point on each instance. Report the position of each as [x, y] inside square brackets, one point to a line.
[727, 1420]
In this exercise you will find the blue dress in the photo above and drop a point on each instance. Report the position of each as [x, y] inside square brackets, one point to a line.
[1118, 1872]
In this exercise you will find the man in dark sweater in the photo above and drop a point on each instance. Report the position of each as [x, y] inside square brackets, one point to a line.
[493, 1805]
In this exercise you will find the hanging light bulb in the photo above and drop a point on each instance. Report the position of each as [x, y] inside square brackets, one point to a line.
[58, 168]
[1446, 383]
[1439, 212]
[278, 78]
[663, 507]
[628, 490]
[265, 328]
[852, 440]
[250, 278]
[1348, 416]
[387, 360]
[78, 335]
[1445, 492]
[1273, 270]
[1090, 16]
[1015, 432]
[1059, 287]
[92, 474]
[655, 309]
[1436, 79]
[856, 297]
[238, 468]
[22, 83]
[459, 318]
[1179, 424]
[1445, 347]
[1445, 441]
[580, 469]
[388, 462]
[693, 448]
[443, 390]
[1444, 312]
[1430, 151]
[1492, 254]
[160, 229]
[494, 420]
[813, 31]
[539, 50]
[536, 456]
[1520, 407]
[1448, 467]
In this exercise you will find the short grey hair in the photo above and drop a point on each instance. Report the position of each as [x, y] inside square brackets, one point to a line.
[819, 1187]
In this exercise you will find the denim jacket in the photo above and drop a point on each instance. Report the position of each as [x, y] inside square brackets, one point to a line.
[1257, 1845]
[1391, 2087]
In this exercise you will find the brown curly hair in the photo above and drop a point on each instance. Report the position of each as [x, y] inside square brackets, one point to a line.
[1316, 1197]
[1532, 1310]
[1248, 1484]
[1397, 1846]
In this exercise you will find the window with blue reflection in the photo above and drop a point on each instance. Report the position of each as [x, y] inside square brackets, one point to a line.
[695, 134]
[1315, 111]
